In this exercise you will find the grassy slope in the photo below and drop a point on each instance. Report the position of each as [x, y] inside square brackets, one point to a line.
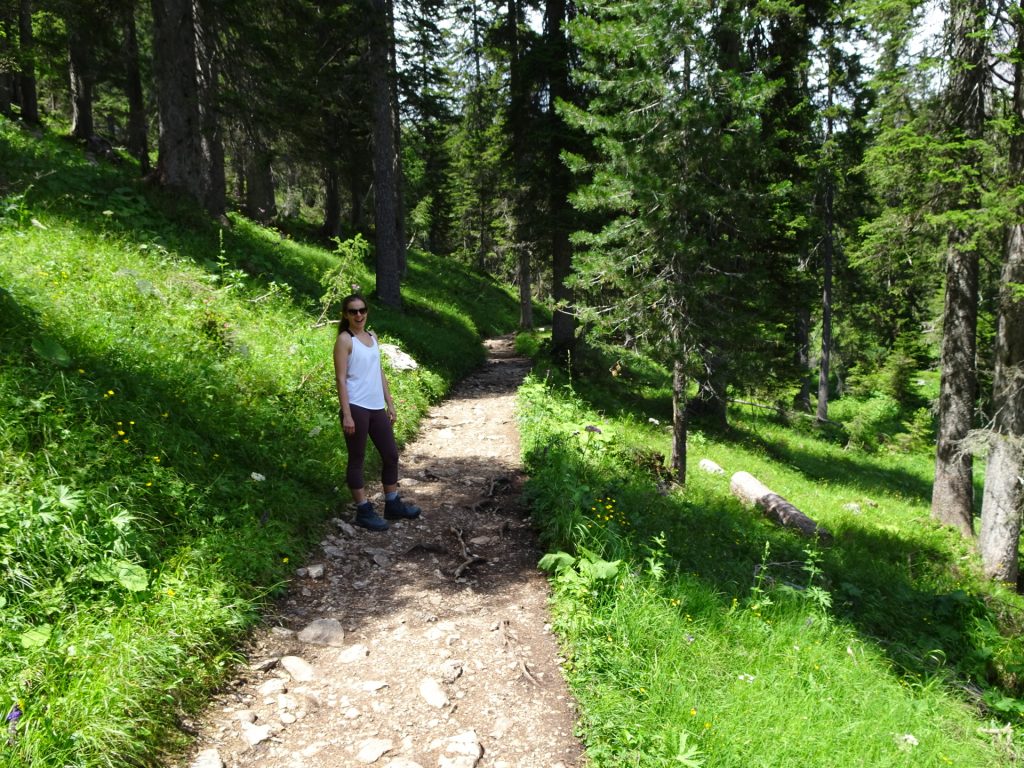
[168, 438]
[722, 637]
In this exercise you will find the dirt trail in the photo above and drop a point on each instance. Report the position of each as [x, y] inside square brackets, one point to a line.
[433, 646]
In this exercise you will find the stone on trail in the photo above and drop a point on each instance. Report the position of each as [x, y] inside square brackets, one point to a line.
[300, 670]
[208, 758]
[461, 751]
[315, 571]
[353, 653]
[431, 692]
[272, 687]
[255, 734]
[324, 632]
[372, 750]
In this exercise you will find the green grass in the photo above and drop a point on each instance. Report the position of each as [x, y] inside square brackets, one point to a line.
[169, 443]
[699, 633]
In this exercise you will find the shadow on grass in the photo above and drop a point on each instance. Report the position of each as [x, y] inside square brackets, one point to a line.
[848, 468]
[900, 593]
[57, 181]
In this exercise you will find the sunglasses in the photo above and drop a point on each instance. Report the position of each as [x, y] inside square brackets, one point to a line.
[357, 310]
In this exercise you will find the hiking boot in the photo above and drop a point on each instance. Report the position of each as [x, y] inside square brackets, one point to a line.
[367, 517]
[396, 509]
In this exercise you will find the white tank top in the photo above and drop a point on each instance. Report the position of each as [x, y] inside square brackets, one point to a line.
[364, 384]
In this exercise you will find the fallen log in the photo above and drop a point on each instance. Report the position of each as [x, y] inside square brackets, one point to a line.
[753, 492]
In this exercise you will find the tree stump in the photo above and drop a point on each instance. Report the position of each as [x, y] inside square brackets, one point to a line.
[753, 492]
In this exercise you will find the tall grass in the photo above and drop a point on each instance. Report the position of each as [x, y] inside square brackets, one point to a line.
[169, 444]
[698, 633]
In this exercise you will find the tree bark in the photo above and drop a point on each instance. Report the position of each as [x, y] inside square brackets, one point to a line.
[679, 422]
[332, 203]
[180, 153]
[1003, 499]
[82, 77]
[259, 183]
[802, 333]
[210, 129]
[999, 537]
[563, 320]
[953, 491]
[387, 168]
[7, 53]
[138, 140]
[828, 254]
[27, 78]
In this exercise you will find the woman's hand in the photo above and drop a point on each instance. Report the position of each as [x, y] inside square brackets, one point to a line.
[348, 424]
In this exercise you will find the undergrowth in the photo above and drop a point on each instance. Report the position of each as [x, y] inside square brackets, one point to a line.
[698, 633]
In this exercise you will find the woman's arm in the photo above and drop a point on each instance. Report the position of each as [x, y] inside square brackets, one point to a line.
[342, 349]
[392, 413]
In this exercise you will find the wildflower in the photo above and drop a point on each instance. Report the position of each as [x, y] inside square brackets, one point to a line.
[156, 459]
[654, 421]
[707, 726]
[169, 592]
[256, 476]
[747, 678]
[284, 560]
[14, 715]
[693, 711]
[907, 741]
[592, 428]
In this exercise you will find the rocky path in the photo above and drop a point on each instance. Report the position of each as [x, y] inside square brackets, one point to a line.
[427, 645]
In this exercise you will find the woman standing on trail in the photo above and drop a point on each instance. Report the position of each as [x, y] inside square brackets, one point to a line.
[366, 411]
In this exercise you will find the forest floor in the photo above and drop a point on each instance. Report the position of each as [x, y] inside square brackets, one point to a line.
[425, 645]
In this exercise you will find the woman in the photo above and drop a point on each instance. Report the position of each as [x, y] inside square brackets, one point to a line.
[366, 411]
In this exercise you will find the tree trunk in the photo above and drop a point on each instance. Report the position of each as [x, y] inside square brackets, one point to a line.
[1003, 500]
[8, 54]
[180, 160]
[332, 203]
[259, 183]
[827, 256]
[80, 73]
[210, 129]
[953, 492]
[525, 287]
[999, 538]
[679, 422]
[802, 332]
[138, 140]
[387, 169]
[27, 78]
[517, 119]
[563, 321]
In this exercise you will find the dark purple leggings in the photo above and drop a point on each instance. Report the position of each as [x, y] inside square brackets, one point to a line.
[377, 426]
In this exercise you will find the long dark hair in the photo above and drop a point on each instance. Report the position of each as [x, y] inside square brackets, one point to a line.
[343, 325]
